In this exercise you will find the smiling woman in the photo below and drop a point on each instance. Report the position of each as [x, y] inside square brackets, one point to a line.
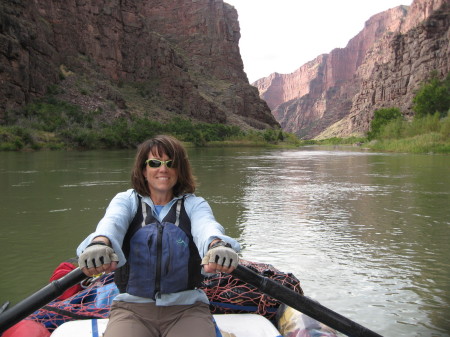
[161, 177]
[156, 237]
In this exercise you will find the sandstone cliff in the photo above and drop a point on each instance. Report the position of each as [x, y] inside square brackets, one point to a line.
[156, 58]
[337, 93]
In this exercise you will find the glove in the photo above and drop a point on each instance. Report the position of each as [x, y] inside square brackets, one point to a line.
[96, 254]
[222, 254]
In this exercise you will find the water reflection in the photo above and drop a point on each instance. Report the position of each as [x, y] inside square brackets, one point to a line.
[366, 233]
[355, 227]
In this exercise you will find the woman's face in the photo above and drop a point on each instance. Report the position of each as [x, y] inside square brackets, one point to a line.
[162, 179]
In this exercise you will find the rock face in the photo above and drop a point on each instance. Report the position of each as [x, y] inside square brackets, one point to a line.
[337, 93]
[154, 57]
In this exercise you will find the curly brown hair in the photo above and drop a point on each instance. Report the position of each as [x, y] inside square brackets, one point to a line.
[173, 148]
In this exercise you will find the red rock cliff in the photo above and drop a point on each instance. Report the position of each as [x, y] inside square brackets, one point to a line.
[323, 94]
[409, 59]
[182, 56]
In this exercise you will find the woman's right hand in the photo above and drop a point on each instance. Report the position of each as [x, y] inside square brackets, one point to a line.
[97, 258]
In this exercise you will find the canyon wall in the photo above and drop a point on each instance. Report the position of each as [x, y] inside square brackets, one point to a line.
[155, 58]
[382, 66]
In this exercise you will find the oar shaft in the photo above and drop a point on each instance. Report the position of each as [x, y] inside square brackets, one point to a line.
[303, 304]
[40, 298]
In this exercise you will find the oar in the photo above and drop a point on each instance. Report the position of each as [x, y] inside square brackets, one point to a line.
[285, 295]
[4, 306]
[40, 298]
[303, 304]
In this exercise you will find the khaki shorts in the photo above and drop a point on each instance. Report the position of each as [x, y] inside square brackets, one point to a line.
[149, 320]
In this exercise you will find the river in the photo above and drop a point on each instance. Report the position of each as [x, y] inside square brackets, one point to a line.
[366, 233]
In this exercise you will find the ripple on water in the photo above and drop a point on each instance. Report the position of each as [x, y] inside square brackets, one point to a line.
[95, 183]
[352, 241]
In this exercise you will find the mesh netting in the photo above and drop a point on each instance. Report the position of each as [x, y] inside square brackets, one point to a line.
[226, 293]
[92, 302]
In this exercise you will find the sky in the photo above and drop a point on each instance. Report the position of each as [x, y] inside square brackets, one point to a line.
[282, 35]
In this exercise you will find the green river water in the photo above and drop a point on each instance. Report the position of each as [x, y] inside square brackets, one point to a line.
[367, 234]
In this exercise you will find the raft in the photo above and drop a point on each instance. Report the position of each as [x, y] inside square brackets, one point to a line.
[239, 308]
[237, 325]
[292, 323]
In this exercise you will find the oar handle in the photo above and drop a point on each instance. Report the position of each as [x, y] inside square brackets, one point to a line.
[303, 304]
[40, 298]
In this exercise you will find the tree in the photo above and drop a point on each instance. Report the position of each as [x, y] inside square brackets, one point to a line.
[381, 118]
[433, 96]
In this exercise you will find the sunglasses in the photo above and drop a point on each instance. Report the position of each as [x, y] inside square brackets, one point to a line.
[155, 163]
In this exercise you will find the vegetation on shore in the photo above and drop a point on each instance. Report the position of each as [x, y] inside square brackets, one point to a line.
[422, 135]
[427, 132]
[54, 124]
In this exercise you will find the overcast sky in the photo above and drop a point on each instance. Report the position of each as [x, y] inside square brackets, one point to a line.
[282, 35]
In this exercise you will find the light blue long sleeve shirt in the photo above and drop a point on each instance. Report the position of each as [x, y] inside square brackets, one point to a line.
[204, 229]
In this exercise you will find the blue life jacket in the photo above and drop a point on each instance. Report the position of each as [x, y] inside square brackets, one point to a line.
[161, 256]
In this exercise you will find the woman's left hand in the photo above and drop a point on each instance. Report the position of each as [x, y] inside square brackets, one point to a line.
[220, 258]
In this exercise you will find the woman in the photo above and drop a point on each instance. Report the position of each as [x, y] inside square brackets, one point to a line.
[154, 236]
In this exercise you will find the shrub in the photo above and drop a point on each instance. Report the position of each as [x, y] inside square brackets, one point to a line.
[143, 128]
[381, 118]
[51, 115]
[433, 97]
[424, 124]
[445, 128]
[392, 130]
[16, 138]
[80, 137]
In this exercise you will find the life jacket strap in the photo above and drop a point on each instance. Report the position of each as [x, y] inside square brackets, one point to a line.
[177, 221]
[144, 212]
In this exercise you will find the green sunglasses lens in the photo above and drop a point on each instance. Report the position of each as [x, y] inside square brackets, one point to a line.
[155, 163]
